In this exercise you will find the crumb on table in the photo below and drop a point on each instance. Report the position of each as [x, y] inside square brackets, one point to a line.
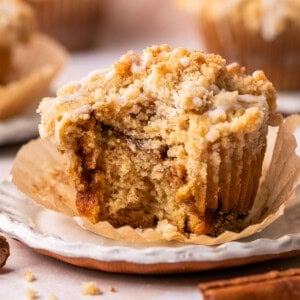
[112, 289]
[90, 288]
[29, 276]
[31, 294]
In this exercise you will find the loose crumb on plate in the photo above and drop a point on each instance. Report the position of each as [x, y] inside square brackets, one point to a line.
[91, 288]
[31, 294]
[53, 297]
[29, 276]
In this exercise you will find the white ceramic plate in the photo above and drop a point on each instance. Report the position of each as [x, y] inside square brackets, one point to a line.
[19, 128]
[59, 236]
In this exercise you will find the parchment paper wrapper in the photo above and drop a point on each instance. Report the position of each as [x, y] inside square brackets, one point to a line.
[34, 67]
[38, 171]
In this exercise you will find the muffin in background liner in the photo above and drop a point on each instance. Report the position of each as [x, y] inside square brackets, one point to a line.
[43, 179]
[258, 34]
[34, 67]
[72, 22]
[17, 24]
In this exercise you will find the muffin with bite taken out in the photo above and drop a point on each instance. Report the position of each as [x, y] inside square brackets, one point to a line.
[171, 134]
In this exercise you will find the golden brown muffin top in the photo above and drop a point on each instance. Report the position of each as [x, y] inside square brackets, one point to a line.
[268, 17]
[165, 93]
[16, 22]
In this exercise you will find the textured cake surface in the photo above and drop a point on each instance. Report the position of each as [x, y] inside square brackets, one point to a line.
[170, 134]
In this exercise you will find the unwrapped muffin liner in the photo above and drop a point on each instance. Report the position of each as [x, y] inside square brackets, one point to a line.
[34, 67]
[38, 171]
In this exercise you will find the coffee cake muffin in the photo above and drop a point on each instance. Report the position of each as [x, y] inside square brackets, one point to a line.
[16, 26]
[171, 134]
[258, 34]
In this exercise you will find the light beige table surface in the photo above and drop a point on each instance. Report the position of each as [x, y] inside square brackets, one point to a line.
[151, 22]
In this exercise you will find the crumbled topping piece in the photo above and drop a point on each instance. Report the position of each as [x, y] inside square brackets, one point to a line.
[212, 135]
[184, 61]
[197, 101]
[251, 98]
[217, 114]
[109, 75]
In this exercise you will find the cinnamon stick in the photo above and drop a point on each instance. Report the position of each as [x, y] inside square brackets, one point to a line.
[274, 285]
[4, 251]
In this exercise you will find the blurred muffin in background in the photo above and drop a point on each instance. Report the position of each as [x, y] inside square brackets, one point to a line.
[73, 22]
[29, 61]
[259, 34]
[16, 26]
